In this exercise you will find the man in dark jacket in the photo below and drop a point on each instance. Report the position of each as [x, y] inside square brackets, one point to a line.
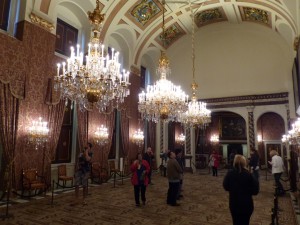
[173, 173]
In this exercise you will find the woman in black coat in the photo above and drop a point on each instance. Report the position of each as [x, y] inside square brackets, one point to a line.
[241, 185]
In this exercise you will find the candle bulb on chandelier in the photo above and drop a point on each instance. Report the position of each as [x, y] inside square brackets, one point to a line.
[102, 49]
[64, 67]
[58, 68]
[77, 50]
[89, 49]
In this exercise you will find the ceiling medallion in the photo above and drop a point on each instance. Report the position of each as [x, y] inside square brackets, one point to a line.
[208, 16]
[171, 34]
[145, 11]
[257, 15]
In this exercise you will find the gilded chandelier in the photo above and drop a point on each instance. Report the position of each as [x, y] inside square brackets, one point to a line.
[101, 136]
[138, 137]
[197, 114]
[97, 81]
[38, 132]
[181, 139]
[163, 100]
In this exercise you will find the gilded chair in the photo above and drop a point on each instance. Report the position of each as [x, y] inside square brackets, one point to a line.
[31, 181]
[62, 176]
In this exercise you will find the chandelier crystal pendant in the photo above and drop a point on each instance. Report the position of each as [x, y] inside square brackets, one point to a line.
[38, 132]
[138, 137]
[97, 81]
[101, 135]
[163, 100]
[197, 114]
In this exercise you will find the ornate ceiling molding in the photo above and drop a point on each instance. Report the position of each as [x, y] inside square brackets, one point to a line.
[41, 22]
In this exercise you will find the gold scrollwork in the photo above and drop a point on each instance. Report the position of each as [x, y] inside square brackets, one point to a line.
[41, 22]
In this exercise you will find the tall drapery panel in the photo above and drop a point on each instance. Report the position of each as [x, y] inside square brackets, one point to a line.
[111, 123]
[9, 111]
[55, 120]
[151, 133]
[124, 134]
[82, 118]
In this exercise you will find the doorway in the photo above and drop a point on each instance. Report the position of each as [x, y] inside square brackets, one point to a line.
[237, 148]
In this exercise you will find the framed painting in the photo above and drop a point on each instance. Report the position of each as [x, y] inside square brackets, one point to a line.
[233, 128]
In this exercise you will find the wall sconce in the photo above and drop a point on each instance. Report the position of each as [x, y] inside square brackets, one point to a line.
[259, 138]
[38, 132]
[101, 135]
[138, 137]
[214, 139]
[180, 139]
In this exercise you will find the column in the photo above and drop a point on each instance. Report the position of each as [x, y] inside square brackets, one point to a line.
[251, 135]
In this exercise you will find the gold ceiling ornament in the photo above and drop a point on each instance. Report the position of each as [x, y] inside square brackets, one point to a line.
[97, 80]
[197, 114]
[257, 15]
[41, 22]
[163, 100]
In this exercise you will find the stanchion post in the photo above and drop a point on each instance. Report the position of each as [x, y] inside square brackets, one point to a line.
[52, 194]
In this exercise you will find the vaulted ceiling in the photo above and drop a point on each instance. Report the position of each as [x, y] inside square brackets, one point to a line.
[138, 24]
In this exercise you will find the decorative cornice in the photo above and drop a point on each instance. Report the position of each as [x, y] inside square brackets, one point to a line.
[247, 100]
[41, 22]
[135, 70]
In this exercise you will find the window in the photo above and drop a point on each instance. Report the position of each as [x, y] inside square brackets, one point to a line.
[4, 14]
[143, 77]
[66, 37]
[64, 146]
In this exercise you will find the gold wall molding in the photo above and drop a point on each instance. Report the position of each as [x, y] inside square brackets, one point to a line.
[41, 22]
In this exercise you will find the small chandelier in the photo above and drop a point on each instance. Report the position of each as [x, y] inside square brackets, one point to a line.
[97, 82]
[181, 139]
[101, 136]
[293, 136]
[38, 132]
[163, 100]
[138, 137]
[197, 114]
[214, 139]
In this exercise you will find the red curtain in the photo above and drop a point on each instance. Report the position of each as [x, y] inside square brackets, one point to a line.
[82, 118]
[9, 111]
[124, 134]
[111, 127]
[55, 120]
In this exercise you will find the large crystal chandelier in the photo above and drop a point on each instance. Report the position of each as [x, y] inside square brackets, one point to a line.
[138, 137]
[38, 132]
[197, 114]
[97, 81]
[101, 135]
[163, 100]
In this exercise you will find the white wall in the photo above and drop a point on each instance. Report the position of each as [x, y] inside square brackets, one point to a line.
[233, 60]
